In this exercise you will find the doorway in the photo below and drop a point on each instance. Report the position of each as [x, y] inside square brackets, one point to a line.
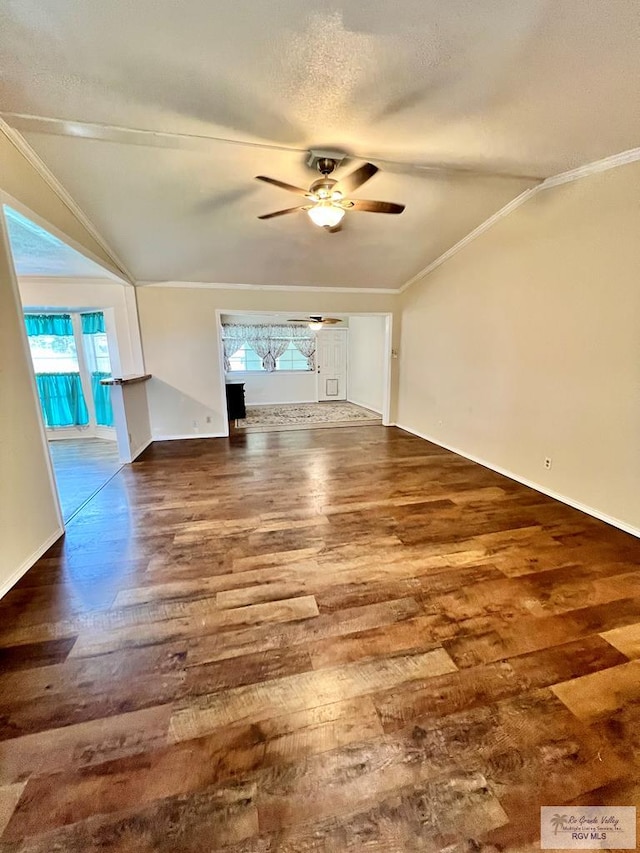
[339, 379]
[71, 360]
[331, 347]
[69, 307]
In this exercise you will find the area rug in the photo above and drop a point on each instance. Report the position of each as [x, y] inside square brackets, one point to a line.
[306, 416]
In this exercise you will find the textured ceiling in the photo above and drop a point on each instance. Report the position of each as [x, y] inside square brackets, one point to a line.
[524, 87]
[38, 253]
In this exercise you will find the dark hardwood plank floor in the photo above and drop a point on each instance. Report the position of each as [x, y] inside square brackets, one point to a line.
[332, 640]
[81, 467]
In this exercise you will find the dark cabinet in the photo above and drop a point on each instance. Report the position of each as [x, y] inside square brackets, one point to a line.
[235, 400]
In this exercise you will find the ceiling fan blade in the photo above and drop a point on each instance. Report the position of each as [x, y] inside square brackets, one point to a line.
[282, 212]
[316, 319]
[375, 206]
[356, 179]
[283, 186]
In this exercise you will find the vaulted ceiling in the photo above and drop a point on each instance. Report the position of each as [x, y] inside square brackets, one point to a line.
[155, 117]
[38, 253]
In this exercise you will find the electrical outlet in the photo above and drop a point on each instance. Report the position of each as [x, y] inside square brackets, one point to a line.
[208, 419]
[547, 462]
[194, 423]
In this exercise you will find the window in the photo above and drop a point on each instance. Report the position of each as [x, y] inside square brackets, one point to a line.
[54, 353]
[97, 351]
[70, 357]
[265, 347]
[292, 359]
[246, 359]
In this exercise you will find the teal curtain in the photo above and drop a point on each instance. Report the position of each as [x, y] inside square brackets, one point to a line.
[48, 324]
[102, 399]
[92, 323]
[62, 400]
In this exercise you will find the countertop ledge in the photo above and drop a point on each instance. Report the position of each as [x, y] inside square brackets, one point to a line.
[126, 380]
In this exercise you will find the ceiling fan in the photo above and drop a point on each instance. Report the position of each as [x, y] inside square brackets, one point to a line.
[316, 321]
[329, 198]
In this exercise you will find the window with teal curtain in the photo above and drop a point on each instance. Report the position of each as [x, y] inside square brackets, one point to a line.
[92, 323]
[102, 398]
[94, 331]
[55, 362]
[62, 400]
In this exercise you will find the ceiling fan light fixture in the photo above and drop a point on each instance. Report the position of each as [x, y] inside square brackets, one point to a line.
[315, 326]
[325, 214]
[329, 198]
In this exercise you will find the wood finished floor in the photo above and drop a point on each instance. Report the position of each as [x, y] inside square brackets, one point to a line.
[81, 467]
[345, 640]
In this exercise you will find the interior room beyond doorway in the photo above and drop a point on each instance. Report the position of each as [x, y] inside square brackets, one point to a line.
[71, 360]
[69, 313]
[284, 371]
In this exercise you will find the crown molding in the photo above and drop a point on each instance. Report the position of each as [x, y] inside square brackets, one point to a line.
[612, 162]
[624, 158]
[19, 142]
[515, 203]
[281, 288]
[107, 270]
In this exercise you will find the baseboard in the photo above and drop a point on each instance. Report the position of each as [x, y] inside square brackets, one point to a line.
[106, 433]
[364, 406]
[189, 435]
[24, 568]
[65, 433]
[588, 510]
[293, 427]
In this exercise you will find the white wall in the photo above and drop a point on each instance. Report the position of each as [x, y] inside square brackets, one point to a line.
[118, 302]
[29, 514]
[179, 337]
[526, 345]
[112, 298]
[277, 387]
[367, 362]
[29, 518]
[23, 184]
[131, 416]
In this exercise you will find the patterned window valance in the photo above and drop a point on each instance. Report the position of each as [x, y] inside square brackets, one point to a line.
[269, 341]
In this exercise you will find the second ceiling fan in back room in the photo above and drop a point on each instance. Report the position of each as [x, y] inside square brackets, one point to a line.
[317, 321]
[328, 199]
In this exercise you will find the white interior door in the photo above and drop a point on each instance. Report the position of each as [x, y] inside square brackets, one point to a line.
[331, 355]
